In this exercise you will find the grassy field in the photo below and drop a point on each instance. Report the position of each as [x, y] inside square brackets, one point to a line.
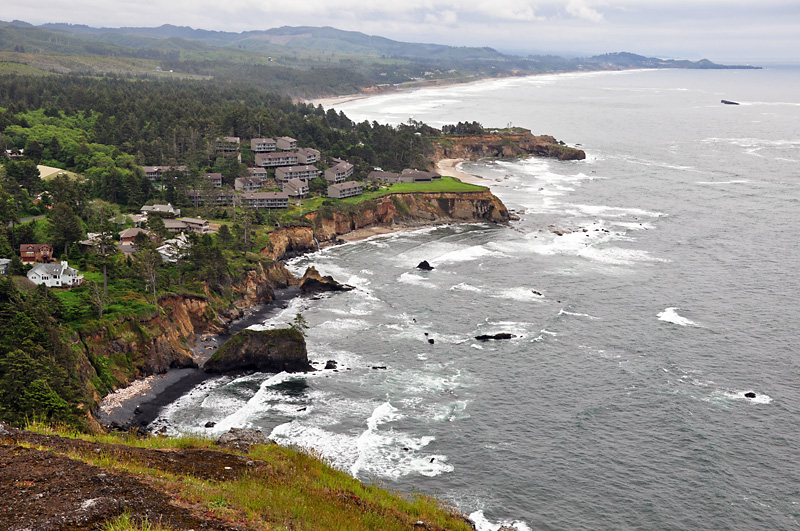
[447, 184]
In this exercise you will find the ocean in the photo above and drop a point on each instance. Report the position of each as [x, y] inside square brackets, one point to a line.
[670, 292]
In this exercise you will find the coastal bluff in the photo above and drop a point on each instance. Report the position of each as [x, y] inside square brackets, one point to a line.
[261, 350]
[394, 211]
[503, 145]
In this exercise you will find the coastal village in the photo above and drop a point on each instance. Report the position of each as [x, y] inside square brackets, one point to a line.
[281, 172]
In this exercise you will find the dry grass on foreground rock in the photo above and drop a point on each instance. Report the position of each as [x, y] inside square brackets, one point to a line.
[53, 480]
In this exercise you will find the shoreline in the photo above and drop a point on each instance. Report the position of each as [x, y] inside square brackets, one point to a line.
[139, 404]
[410, 86]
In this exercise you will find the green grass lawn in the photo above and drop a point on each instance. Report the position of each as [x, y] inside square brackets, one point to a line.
[447, 184]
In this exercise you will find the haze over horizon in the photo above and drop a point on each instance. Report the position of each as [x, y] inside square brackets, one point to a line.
[733, 30]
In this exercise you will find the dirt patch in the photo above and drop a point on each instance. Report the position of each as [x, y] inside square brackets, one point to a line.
[43, 490]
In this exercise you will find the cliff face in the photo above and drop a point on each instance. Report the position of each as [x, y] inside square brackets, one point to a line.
[395, 210]
[261, 350]
[118, 352]
[474, 147]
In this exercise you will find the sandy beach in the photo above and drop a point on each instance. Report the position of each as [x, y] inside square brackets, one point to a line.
[449, 168]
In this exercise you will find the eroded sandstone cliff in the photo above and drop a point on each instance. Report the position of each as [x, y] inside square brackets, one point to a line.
[503, 145]
[396, 210]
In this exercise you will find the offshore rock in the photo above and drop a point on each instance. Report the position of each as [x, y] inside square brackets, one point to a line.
[502, 335]
[313, 282]
[261, 350]
[425, 266]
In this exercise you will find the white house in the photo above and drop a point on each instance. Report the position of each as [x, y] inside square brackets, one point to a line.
[55, 275]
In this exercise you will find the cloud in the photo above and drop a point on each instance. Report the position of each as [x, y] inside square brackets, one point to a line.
[579, 9]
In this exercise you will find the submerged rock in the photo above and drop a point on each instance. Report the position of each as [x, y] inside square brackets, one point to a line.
[313, 282]
[261, 350]
[425, 266]
[502, 335]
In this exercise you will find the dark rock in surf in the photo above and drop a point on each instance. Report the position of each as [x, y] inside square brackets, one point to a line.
[331, 364]
[210, 424]
[431, 341]
[313, 282]
[728, 102]
[261, 350]
[425, 266]
[751, 394]
[502, 335]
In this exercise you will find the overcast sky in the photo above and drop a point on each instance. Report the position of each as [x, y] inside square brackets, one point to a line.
[692, 29]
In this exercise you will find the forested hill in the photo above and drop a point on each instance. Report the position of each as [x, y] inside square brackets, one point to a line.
[302, 62]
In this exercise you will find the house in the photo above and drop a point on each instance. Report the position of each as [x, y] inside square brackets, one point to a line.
[55, 275]
[227, 144]
[127, 236]
[339, 173]
[213, 197]
[262, 145]
[35, 252]
[286, 143]
[418, 176]
[383, 177]
[197, 225]
[248, 184]
[296, 187]
[155, 173]
[163, 210]
[259, 173]
[307, 156]
[175, 248]
[215, 179]
[175, 226]
[265, 199]
[305, 173]
[274, 160]
[5, 265]
[346, 189]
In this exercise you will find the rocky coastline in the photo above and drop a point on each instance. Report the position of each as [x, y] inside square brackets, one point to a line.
[171, 361]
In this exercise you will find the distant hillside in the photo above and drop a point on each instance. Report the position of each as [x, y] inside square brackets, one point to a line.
[298, 61]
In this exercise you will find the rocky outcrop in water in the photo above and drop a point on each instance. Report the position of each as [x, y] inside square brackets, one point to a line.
[490, 337]
[261, 350]
[425, 266]
[313, 282]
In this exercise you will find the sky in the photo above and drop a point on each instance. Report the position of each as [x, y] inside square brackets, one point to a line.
[720, 30]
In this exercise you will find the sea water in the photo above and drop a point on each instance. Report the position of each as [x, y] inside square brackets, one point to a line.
[620, 403]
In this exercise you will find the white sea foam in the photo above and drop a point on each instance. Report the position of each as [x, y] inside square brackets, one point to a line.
[520, 293]
[615, 212]
[483, 524]
[463, 286]
[415, 280]
[670, 315]
[467, 254]
[565, 312]
[244, 416]
[723, 395]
